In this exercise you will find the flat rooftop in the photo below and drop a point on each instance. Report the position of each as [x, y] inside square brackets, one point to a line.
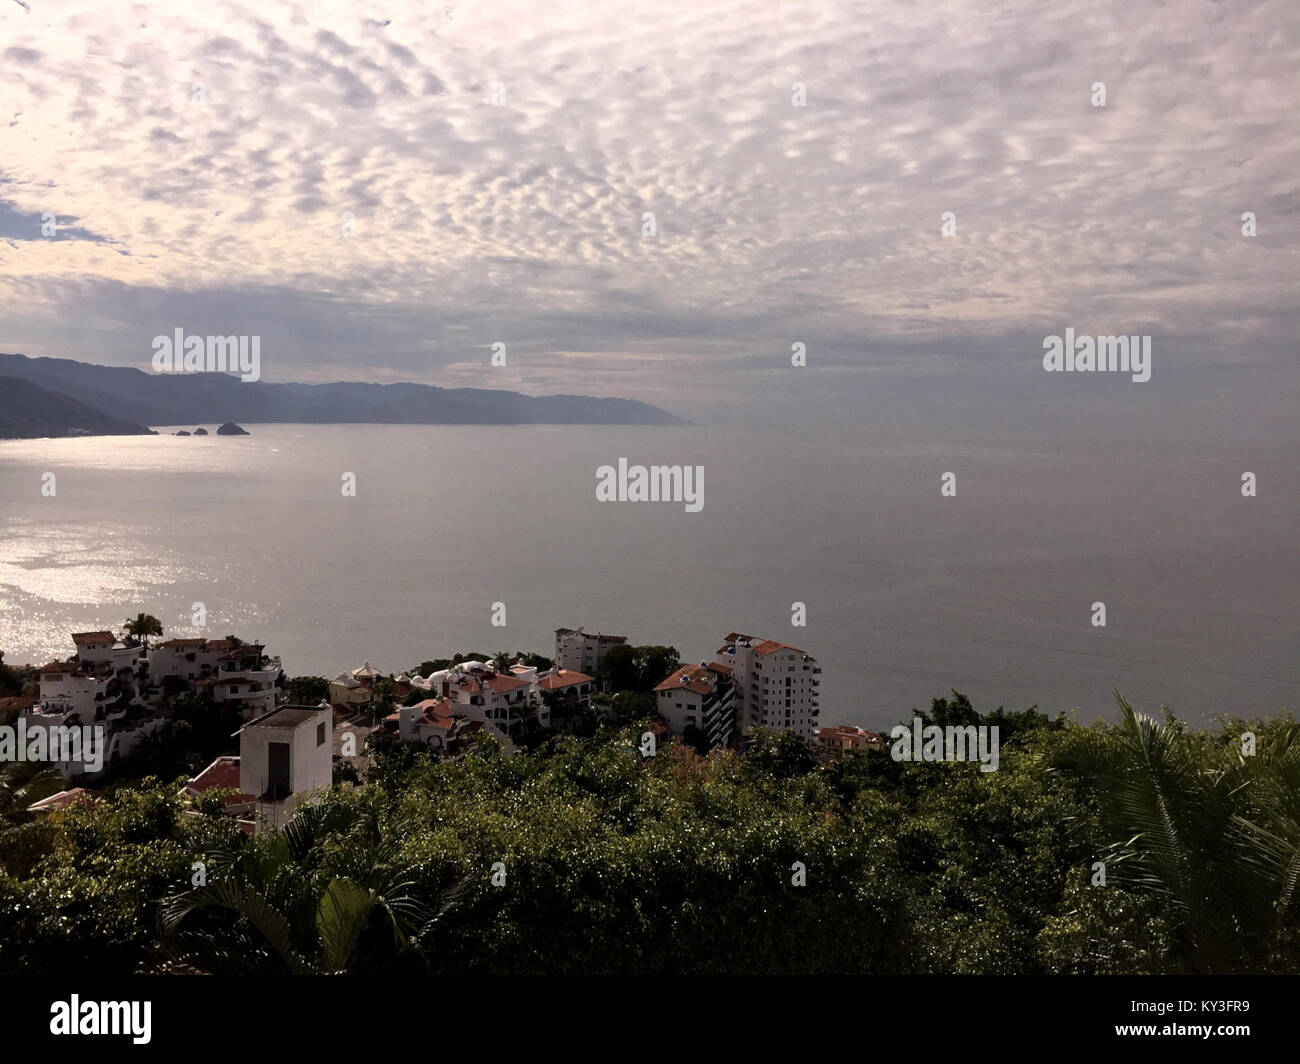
[286, 717]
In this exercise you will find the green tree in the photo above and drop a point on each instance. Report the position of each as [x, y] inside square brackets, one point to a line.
[308, 690]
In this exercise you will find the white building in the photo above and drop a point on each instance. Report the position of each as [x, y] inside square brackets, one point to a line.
[702, 696]
[235, 673]
[122, 688]
[501, 701]
[349, 693]
[99, 693]
[581, 651]
[102, 648]
[284, 758]
[436, 723]
[777, 685]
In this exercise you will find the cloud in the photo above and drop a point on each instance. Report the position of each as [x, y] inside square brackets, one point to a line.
[222, 148]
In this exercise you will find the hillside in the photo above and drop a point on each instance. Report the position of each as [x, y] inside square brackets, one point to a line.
[29, 412]
[180, 399]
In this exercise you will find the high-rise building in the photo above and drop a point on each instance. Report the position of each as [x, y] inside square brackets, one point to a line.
[777, 685]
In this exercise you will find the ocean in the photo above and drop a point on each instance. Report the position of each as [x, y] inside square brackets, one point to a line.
[908, 594]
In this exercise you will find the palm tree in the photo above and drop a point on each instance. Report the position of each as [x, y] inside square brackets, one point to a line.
[501, 662]
[142, 627]
[288, 918]
[1218, 846]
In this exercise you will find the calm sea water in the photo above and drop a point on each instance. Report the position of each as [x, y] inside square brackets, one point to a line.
[908, 594]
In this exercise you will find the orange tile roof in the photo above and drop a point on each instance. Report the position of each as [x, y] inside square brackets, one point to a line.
[502, 685]
[696, 677]
[437, 711]
[93, 637]
[767, 646]
[759, 646]
[564, 678]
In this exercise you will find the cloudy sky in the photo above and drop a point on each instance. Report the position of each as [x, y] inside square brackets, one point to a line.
[498, 159]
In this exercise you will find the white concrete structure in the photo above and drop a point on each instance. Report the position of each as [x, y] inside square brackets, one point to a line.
[701, 696]
[777, 685]
[284, 757]
[581, 651]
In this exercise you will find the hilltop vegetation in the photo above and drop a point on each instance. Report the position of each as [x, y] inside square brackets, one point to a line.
[609, 862]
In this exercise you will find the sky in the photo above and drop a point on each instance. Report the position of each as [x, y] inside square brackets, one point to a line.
[382, 192]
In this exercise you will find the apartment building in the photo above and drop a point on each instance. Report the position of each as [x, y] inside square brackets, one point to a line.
[777, 685]
[579, 651]
[701, 696]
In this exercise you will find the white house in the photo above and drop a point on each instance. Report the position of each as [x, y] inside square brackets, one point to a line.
[435, 723]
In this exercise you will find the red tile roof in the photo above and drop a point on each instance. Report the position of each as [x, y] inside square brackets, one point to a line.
[223, 772]
[767, 646]
[847, 731]
[505, 684]
[437, 711]
[760, 646]
[59, 666]
[696, 678]
[564, 678]
[82, 638]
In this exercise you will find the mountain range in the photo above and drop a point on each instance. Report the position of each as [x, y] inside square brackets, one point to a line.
[132, 399]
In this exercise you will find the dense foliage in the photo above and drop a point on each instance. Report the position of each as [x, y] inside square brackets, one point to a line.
[580, 855]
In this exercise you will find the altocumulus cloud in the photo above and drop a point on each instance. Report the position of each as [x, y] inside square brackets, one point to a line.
[498, 159]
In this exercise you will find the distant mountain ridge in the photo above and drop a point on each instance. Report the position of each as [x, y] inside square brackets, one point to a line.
[28, 411]
[196, 398]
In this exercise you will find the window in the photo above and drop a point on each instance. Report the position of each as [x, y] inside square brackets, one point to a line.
[320, 734]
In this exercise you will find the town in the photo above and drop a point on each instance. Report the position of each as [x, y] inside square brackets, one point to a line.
[289, 740]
